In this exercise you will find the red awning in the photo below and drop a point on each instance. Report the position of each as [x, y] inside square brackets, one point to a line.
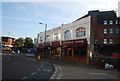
[73, 45]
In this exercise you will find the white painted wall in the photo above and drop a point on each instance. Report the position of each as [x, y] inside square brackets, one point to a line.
[119, 9]
[85, 22]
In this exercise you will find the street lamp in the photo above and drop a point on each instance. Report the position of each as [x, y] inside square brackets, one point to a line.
[44, 39]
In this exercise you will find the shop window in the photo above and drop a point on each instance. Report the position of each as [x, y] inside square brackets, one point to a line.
[105, 31]
[80, 32]
[111, 22]
[111, 31]
[111, 41]
[68, 51]
[105, 41]
[105, 22]
[47, 38]
[67, 34]
[56, 36]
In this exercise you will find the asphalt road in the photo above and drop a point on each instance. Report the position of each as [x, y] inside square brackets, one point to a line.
[24, 66]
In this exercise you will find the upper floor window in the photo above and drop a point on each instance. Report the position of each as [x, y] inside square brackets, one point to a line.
[56, 36]
[105, 31]
[117, 30]
[116, 22]
[111, 41]
[105, 22]
[80, 32]
[47, 38]
[41, 39]
[111, 22]
[105, 41]
[67, 34]
[111, 31]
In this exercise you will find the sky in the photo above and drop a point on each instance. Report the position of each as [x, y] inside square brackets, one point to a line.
[21, 18]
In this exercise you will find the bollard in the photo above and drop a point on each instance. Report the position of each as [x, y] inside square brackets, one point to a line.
[38, 57]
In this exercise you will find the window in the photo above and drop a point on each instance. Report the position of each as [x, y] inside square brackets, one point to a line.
[111, 41]
[105, 31]
[117, 30]
[56, 36]
[80, 32]
[105, 41]
[111, 22]
[41, 39]
[111, 31]
[116, 21]
[47, 38]
[67, 34]
[105, 22]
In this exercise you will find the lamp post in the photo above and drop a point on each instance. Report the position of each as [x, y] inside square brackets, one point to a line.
[44, 39]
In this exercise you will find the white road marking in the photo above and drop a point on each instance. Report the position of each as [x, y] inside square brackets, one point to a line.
[98, 73]
[24, 78]
[58, 77]
[33, 73]
[51, 77]
[59, 67]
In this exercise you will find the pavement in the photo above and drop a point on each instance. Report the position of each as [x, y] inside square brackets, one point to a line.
[72, 70]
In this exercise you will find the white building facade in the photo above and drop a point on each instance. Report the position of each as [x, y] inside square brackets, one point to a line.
[78, 29]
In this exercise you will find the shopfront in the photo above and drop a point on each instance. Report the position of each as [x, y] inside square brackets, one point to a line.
[75, 50]
[56, 50]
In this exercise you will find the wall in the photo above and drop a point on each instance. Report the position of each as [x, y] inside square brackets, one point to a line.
[119, 9]
[84, 22]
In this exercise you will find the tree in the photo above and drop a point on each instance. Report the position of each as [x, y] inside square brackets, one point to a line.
[28, 42]
[19, 42]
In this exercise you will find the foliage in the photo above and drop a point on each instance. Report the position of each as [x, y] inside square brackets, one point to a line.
[28, 42]
[19, 42]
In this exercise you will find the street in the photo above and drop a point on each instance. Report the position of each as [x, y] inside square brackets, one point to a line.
[22, 67]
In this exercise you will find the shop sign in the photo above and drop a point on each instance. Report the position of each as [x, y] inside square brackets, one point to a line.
[81, 41]
[69, 42]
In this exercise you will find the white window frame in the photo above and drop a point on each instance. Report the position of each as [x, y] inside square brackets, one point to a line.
[111, 22]
[105, 31]
[117, 30]
[111, 31]
[111, 41]
[105, 41]
[105, 22]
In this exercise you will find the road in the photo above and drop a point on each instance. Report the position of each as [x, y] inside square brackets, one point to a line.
[16, 66]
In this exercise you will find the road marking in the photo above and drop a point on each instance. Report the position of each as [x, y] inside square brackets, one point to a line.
[24, 78]
[33, 73]
[98, 73]
[39, 68]
[51, 77]
[59, 67]
[7, 59]
[58, 77]
[33, 59]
